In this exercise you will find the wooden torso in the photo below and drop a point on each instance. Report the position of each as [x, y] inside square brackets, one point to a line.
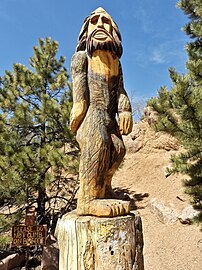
[103, 71]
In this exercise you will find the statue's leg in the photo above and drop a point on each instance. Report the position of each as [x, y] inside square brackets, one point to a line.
[92, 192]
[91, 175]
[117, 154]
[94, 143]
[95, 161]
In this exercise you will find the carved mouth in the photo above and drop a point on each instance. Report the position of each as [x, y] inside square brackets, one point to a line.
[101, 35]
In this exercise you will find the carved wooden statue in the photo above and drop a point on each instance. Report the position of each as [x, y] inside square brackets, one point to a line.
[98, 97]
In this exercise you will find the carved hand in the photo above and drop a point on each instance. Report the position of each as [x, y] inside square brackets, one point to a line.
[77, 114]
[125, 122]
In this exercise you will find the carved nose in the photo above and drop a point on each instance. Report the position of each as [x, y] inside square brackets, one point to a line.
[100, 23]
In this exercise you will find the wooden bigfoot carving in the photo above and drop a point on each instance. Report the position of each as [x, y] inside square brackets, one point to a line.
[98, 97]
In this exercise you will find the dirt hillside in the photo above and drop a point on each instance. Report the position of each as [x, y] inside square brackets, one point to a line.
[160, 200]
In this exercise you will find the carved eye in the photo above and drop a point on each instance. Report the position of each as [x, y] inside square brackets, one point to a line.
[106, 20]
[94, 20]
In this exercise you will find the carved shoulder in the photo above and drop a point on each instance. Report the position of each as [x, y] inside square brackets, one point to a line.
[79, 63]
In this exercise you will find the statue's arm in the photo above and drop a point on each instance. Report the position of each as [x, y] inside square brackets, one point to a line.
[124, 108]
[80, 89]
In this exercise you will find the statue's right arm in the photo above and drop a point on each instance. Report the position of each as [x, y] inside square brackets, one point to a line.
[80, 89]
[125, 119]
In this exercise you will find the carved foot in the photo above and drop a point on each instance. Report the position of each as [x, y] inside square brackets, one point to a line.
[106, 208]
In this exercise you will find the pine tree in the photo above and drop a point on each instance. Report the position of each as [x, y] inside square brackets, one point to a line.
[35, 108]
[180, 109]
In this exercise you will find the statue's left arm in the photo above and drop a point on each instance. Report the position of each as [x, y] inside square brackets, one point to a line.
[124, 108]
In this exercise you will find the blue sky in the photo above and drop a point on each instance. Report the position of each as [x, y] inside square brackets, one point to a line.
[151, 32]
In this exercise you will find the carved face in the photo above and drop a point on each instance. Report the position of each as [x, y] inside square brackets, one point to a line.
[100, 27]
[99, 31]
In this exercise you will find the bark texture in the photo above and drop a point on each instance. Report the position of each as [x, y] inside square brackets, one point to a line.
[92, 243]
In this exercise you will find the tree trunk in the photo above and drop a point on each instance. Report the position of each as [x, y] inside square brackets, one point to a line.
[41, 200]
[95, 243]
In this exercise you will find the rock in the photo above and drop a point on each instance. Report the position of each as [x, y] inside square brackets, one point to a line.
[50, 255]
[166, 142]
[164, 213]
[134, 140]
[166, 170]
[11, 261]
[199, 245]
[144, 137]
[150, 115]
[187, 215]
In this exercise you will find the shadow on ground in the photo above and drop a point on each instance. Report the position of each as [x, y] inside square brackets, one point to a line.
[126, 195]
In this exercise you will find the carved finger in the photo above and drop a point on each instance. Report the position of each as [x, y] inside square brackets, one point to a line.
[121, 125]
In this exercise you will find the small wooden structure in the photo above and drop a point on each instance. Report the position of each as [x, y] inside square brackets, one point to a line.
[95, 243]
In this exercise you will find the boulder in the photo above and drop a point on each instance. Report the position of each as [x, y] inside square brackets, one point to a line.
[166, 214]
[12, 261]
[50, 255]
[188, 214]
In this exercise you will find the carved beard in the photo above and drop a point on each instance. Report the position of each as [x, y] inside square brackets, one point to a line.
[109, 45]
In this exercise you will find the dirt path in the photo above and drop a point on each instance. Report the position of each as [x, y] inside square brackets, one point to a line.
[167, 246]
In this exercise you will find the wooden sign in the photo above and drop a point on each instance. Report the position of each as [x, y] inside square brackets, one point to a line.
[30, 215]
[29, 235]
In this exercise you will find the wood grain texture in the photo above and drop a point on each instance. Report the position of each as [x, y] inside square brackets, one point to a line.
[92, 243]
[98, 98]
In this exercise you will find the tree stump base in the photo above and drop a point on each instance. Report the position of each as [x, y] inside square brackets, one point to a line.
[95, 243]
